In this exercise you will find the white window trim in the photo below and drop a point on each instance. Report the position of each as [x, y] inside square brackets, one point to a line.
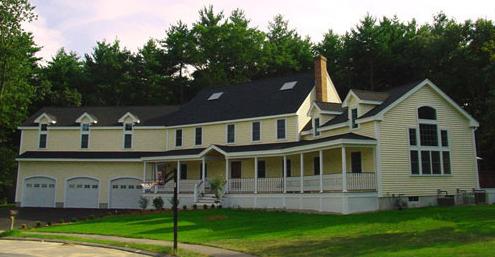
[194, 131]
[252, 131]
[276, 130]
[227, 133]
[127, 132]
[40, 132]
[419, 148]
[82, 132]
[181, 139]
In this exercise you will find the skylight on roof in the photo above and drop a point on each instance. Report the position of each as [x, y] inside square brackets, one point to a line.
[288, 85]
[215, 96]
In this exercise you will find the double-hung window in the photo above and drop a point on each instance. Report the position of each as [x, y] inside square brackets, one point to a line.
[230, 133]
[354, 114]
[256, 131]
[281, 129]
[261, 169]
[178, 137]
[198, 136]
[316, 127]
[43, 134]
[84, 135]
[128, 128]
[429, 145]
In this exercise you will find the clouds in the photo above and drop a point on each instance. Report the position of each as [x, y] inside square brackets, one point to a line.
[77, 25]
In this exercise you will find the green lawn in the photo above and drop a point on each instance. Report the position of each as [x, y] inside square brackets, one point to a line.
[456, 231]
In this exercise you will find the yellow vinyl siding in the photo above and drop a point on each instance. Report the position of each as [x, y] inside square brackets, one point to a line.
[395, 166]
[217, 133]
[61, 171]
[302, 113]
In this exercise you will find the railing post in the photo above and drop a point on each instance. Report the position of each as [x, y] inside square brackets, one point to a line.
[285, 174]
[344, 170]
[321, 171]
[178, 176]
[227, 175]
[255, 175]
[203, 168]
[302, 171]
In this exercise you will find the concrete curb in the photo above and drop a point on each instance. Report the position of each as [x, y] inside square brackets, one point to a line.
[125, 249]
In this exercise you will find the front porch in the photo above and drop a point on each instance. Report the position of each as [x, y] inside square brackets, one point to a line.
[346, 168]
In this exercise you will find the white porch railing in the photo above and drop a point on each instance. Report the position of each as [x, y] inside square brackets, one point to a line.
[241, 185]
[270, 185]
[361, 181]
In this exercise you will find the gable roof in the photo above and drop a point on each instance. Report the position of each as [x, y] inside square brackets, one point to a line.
[247, 100]
[370, 95]
[331, 107]
[344, 117]
[107, 116]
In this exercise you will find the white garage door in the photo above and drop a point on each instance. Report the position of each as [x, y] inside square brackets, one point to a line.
[38, 192]
[81, 193]
[125, 193]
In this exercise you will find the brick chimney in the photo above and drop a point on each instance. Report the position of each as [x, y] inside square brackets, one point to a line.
[321, 79]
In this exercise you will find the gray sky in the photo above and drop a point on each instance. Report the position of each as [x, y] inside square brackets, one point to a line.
[78, 24]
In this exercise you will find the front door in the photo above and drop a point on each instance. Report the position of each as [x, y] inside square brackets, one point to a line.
[235, 170]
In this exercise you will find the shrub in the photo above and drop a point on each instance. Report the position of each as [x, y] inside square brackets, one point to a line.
[216, 185]
[184, 207]
[62, 221]
[91, 217]
[205, 206]
[24, 226]
[158, 203]
[49, 223]
[195, 207]
[38, 224]
[213, 206]
[219, 206]
[73, 220]
[143, 202]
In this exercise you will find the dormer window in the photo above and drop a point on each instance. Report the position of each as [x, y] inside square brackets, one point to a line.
[178, 137]
[128, 129]
[316, 127]
[43, 134]
[85, 135]
[354, 114]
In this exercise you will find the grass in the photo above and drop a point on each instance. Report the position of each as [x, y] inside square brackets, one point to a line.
[455, 231]
[76, 239]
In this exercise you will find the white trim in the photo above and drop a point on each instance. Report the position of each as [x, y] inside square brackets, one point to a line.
[75, 177]
[16, 197]
[82, 132]
[134, 118]
[315, 105]
[39, 176]
[475, 160]
[109, 193]
[46, 116]
[86, 115]
[75, 160]
[286, 115]
[359, 100]
[379, 116]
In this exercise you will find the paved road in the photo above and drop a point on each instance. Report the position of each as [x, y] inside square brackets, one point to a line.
[11, 248]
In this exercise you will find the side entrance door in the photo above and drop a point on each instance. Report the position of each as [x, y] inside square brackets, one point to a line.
[235, 173]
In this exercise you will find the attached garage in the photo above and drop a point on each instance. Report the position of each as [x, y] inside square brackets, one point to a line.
[38, 192]
[81, 192]
[125, 193]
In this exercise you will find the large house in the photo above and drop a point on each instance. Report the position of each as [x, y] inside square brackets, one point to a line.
[288, 142]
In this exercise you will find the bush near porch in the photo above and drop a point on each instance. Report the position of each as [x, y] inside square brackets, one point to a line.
[455, 231]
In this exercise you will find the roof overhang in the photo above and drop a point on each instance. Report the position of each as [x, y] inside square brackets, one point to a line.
[129, 115]
[92, 119]
[361, 101]
[315, 106]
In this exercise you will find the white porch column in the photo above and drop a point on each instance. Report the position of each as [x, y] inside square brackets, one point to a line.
[321, 171]
[178, 176]
[203, 168]
[344, 170]
[302, 171]
[255, 175]
[226, 175]
[285, 174]
[144, 171]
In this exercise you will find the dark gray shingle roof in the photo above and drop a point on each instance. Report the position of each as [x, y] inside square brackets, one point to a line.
[332, 107]
[370, 95]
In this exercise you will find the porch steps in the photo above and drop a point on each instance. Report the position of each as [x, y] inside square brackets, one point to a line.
[208, 199]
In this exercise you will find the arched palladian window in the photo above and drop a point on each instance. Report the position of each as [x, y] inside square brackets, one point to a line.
[427, 113]
[429, 145]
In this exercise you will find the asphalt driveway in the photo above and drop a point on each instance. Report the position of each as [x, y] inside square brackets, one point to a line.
[12, 248]
[30, 216]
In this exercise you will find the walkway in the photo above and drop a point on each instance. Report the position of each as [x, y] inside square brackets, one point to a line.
[207, 250]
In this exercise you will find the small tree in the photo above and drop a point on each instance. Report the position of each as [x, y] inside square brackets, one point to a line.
[217, 187]
[143, 202]
[158, 203]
